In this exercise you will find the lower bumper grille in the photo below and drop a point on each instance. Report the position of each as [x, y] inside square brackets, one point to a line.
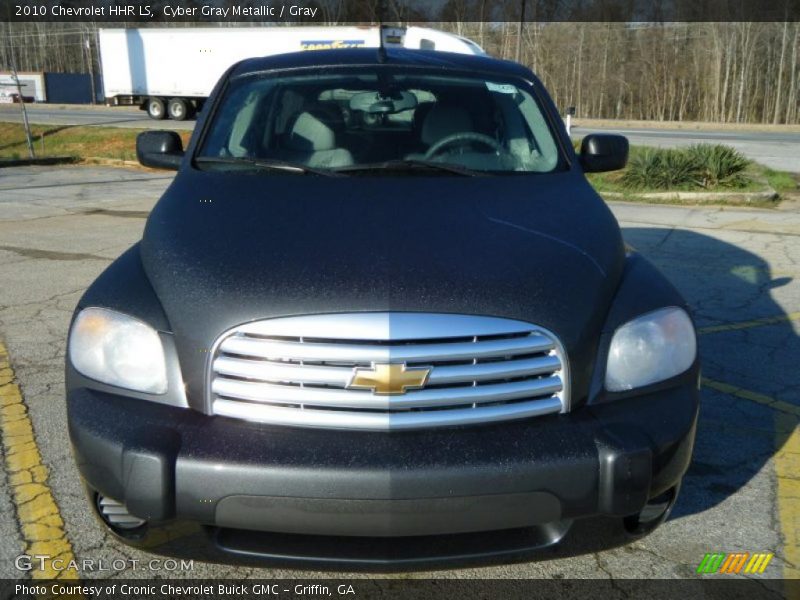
[387, 371]
[115, 514]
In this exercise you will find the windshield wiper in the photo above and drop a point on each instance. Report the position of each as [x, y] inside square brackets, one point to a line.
[411, 164]
[268, 164]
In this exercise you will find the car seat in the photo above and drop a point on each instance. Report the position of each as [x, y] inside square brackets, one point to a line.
[312, 142]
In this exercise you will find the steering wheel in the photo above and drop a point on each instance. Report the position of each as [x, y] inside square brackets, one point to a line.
[460, 138]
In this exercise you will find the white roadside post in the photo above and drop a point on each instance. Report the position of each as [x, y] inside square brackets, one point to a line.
[568, 120]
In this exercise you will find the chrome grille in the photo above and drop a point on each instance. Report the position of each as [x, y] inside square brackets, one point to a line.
[296, 371]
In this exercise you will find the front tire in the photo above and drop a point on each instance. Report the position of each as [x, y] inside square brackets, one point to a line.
[177, 109]
[155, 108]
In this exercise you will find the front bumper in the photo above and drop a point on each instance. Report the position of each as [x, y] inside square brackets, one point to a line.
[232, 491]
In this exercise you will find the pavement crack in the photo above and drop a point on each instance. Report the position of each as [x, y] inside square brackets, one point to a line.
[612, 580]
[51, 254]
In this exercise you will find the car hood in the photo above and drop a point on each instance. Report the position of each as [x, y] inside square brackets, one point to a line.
[223, 248]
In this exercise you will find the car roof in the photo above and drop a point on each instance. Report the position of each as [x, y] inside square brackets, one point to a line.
[370, 56]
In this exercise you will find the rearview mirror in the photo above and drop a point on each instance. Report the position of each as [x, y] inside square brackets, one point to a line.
[375, 102]
[604, 152]
[159, 149]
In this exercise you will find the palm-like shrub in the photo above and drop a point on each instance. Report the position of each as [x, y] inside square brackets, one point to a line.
[662, 169]
[701, 165]
[721, 165]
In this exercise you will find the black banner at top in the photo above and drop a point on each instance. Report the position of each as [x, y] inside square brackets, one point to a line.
[310, 12]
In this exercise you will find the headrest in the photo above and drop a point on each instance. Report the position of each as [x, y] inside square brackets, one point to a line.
[443, 120]
[310, 134]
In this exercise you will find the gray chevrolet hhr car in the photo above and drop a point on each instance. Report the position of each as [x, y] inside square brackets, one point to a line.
[380, 319]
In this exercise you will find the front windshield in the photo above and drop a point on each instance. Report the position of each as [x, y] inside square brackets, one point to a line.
[345, 120]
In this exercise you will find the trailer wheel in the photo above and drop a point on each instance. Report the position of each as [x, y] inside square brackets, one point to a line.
[155, 108]
[177, 109]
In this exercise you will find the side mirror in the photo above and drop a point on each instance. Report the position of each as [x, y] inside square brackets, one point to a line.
[159, 149]
[604, 152]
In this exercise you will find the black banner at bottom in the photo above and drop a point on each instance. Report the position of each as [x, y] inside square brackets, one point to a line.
[397, 589]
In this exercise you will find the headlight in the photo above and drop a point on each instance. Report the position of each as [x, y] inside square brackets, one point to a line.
[650, 348]
[118, 350]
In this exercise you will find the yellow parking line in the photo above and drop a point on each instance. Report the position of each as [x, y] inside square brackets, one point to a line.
[795, 316]
[787, 466]
[40, 521]
[732, 390]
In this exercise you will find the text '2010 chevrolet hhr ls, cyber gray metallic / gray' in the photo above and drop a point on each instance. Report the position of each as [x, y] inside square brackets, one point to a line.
[380, 319]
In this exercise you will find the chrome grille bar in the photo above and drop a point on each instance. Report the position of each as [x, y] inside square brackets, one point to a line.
[278, 350]
[277, 372]
[385, 421]
[257, 370]
[333, 398]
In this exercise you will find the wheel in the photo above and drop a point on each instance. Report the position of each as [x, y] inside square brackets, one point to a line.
[177, 109]
[155, 108]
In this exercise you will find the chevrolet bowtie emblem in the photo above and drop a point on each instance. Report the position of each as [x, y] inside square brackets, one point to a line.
[389, 379]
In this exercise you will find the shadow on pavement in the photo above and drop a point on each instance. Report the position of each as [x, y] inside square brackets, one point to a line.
[725, 284]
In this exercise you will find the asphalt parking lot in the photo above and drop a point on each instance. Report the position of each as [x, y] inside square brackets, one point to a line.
[61, 226]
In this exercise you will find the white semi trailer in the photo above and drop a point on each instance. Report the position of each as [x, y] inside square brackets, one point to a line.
[171, 71]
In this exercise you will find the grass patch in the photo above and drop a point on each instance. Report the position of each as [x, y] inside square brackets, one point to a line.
[78, 142]
[781, 181]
